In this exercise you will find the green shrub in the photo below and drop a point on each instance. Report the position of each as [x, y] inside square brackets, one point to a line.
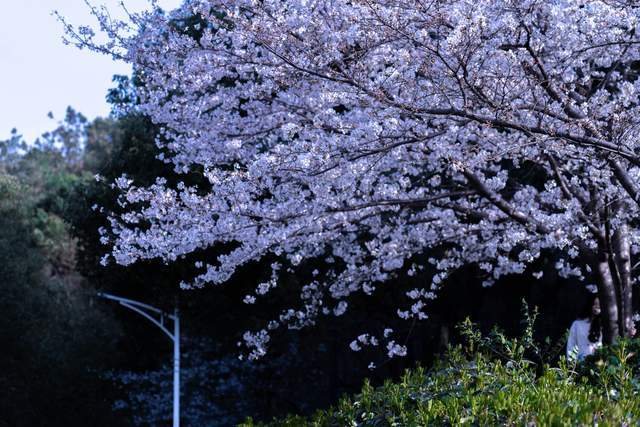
[493, 380]
[615, 368]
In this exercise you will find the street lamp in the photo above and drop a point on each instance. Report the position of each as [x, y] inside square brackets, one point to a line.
[158, 318]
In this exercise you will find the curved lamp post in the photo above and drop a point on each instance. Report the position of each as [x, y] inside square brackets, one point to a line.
[158, 318]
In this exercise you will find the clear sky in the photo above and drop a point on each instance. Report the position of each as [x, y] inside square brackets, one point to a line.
[38, 73]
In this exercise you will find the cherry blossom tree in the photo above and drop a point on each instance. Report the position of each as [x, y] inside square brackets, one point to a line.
[386, 135]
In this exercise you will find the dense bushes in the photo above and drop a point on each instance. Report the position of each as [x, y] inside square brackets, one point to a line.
[493, 380]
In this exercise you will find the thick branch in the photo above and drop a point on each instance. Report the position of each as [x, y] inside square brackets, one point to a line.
[625, 180]
[498, 201]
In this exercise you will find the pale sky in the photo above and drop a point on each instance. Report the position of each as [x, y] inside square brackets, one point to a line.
[38, 73]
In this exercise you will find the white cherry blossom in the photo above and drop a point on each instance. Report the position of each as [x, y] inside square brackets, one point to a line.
[374, 133]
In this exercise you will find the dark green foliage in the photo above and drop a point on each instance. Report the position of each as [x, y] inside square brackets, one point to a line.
[18, 261]
[54, 340]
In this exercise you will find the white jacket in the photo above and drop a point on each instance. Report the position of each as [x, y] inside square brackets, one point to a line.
[578, 344]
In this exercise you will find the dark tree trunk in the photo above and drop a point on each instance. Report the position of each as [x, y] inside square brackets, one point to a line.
[443, 342]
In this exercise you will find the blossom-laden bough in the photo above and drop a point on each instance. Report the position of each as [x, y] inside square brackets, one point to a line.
[374, 133]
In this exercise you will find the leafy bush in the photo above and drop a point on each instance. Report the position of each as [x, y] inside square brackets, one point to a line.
[493, 380]
[615, 368]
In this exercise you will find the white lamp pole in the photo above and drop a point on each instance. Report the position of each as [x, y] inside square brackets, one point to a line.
[151, 313]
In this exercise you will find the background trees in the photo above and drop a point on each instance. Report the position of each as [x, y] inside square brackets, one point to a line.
[54, 339]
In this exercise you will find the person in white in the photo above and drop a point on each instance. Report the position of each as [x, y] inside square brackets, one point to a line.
[585, 334]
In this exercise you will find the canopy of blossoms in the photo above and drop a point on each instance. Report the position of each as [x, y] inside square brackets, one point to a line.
[374, 133]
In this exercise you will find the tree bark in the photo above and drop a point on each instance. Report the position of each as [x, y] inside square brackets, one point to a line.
[607, 296]
[612, 258]
[622, 254]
